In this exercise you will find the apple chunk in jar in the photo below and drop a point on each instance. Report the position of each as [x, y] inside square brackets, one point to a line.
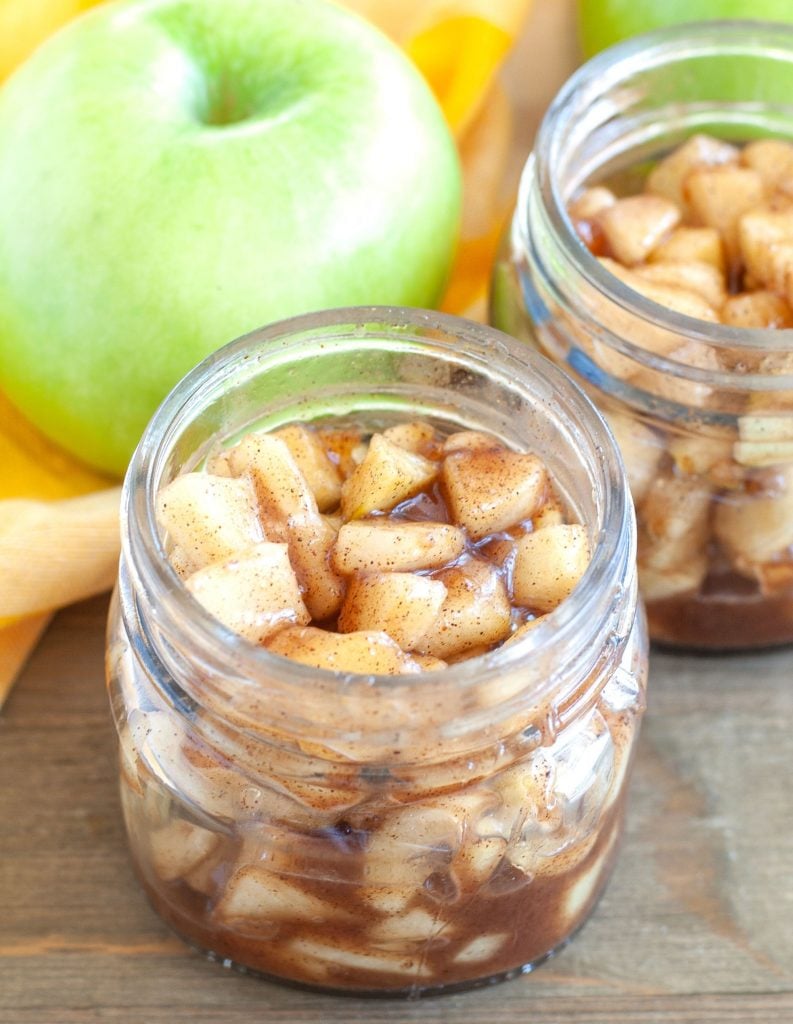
[375, 658]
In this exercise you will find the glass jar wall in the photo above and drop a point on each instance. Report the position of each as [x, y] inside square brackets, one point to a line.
[703, 412]
[395, 834]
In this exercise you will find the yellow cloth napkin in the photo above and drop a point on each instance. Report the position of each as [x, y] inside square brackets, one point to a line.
[26, 23]
[56, 546]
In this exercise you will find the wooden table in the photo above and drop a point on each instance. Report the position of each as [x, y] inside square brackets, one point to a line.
[696, 926]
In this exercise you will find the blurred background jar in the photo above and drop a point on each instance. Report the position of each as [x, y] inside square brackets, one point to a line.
[703, 412]
[377, 834]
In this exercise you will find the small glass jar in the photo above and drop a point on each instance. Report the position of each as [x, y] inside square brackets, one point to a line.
[395, 834]
[706, 428]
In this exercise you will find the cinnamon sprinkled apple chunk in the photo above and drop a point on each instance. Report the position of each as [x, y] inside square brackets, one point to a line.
[387, 553]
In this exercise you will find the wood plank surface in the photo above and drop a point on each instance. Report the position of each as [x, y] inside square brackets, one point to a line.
[696, 926]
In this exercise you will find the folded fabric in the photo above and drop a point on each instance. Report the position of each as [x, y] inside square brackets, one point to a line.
[457, 44]
[25, 23]
[33, 467]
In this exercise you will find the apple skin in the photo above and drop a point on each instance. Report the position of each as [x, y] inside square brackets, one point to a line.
[175, 173]
[604, 22]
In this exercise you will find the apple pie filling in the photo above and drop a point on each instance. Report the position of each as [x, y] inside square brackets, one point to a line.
[710, 235]
[391, 554]
[363, 856]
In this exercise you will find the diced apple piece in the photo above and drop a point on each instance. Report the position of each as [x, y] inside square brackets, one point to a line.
[701, 456]
[208, 518]
[675, 520]
[719, 197]
[591, 202]
[500, 550]
[203, 877]
[281, 489]
[523, 630]
[255, 894]
[387, 476]
[377, 545]
[311, 541]
[691, 245]
[471, 440]
[581, 892]
[179, 847]
[641, 451]
[346, 448]
[348, 961]
[488, 491]
[428, 663]
[783, 196]
[398, 603]
[181, 562]
[166, 751]
[322, 476]
[634, 226]
[290, 511]
[481, 948]
[761, 454]
[667, 177]
[764, 441]
[386, 899]
[218, 463]
[478, 860]
[673, 505]
[780, 259]
[254, 592]
[551, 513]
[771, 158]
[702, 278]
[429, 830]
[316, 796]
[476, 611]
[775, 577]
[415, 436]
[414, 926]
[679, 387]
[623, 322]
[756, 309]
[366, 652]
[765, 428]
[680, 300]
[548, 565]
[469, 654]
[335, 522]
[755, 528]
[758, 231]
[528, 791]
[775, 363]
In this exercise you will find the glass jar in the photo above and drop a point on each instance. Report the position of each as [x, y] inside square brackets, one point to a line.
[395, 834]
[703, 412]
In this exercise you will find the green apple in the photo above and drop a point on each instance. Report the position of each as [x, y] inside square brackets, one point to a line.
[603, 22]
[174, 173]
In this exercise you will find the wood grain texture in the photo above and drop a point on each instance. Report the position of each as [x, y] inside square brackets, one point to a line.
[696, 926]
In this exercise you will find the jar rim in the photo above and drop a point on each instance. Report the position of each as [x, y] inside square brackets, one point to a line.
[168, 600]
[580, 92]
